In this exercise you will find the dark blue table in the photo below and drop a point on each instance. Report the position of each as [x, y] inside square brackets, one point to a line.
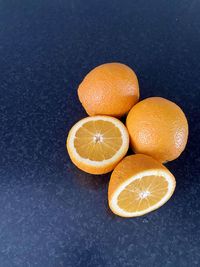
[52, 214]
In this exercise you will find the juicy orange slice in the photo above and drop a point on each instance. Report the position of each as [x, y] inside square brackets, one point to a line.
[96, 144]
[139, 184]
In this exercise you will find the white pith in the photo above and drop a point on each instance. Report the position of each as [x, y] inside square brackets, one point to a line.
[98, 138]
[144, 194]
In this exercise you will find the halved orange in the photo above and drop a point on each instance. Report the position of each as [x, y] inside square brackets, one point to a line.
[139, 184]
[96, 144]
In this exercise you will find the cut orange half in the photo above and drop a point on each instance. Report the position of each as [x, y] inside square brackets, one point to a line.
[139, 184]
[96, 144]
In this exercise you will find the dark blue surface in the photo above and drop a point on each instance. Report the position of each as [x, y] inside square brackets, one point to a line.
[52, 214]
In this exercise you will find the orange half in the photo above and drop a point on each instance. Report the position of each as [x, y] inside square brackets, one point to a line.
[96, 144]
[139, 184]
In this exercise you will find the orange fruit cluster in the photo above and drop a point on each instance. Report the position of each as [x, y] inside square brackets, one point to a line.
[156, 128]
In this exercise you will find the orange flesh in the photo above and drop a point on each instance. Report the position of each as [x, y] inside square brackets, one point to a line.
[143, 193]
[97, 140]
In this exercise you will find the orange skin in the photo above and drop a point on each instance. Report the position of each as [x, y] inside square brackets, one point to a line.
[109, 89]
[158, 128]
[131, 166]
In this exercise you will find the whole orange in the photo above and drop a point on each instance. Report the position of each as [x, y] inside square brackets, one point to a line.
[158, 128]
[109, 89]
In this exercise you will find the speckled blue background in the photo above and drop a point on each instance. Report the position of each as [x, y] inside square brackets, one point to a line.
[52, 214]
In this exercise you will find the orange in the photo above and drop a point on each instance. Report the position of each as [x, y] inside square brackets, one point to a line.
[96, 144]
[109, 89]
[139, 184]
[158, 128]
